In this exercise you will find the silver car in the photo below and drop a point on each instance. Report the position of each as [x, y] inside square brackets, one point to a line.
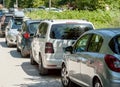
[51, 36]
[93, 60]
[11, 31]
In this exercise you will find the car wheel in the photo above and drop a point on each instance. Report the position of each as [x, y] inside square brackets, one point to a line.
[32, 61]
[5, 40]
[97, 83]
[18, 50]
[42, 70]
[64, 78]
[23, 53]
[7, 43]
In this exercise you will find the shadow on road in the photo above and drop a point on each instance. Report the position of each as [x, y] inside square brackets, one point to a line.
[3, 44]
[32, 70]
[29, 69]
[50, 80]
[15, 54]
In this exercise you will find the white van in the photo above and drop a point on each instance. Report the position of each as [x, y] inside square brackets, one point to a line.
[50, 39]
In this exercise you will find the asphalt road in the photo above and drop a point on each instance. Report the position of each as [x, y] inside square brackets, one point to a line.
[16, 71]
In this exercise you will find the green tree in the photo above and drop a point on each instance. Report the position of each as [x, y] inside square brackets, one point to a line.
[37, 3]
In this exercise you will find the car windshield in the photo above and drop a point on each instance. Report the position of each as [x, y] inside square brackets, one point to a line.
[115, 44]
[69, 31]
[33, 27]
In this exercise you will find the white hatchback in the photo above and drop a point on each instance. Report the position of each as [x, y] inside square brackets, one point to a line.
[50, 39]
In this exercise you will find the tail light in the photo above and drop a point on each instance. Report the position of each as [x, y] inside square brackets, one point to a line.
[113, 63]
[49, 48]
[26, 35]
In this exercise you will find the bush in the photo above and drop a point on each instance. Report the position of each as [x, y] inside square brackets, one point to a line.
[100, 18]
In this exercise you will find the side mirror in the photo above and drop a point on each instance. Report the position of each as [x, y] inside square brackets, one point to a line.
[68, 49]
[19, 29]
[37, 35]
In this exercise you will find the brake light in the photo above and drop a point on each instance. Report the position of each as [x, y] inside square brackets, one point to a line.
[49, 48]
[113, 63]
[26, 35]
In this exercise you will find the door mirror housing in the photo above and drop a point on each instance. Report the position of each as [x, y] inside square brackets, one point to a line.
[19, 29]
[68, 49]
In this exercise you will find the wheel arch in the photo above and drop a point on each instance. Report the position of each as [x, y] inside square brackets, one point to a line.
[96, 78]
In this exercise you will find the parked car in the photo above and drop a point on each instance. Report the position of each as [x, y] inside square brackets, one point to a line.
[52, 35]
[11, 30]
[4, 22]
[93, 60]
[25, 36]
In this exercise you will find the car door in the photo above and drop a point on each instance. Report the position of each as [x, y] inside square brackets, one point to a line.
[38, 41]
[20, 40]
[89, 59]
[35, 48]
[74, 60]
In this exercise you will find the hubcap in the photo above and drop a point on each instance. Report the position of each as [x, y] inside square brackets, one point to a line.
[97, 84]
[64, 75]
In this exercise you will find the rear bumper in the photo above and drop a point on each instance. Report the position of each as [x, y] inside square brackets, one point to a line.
[50, 62]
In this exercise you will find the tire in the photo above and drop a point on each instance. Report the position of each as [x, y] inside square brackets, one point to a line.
[97, 83]
[66, 82]
[32, 61]
[7, 43]
[42, 70]
[22, 53]
[5, 40]
[18, 50]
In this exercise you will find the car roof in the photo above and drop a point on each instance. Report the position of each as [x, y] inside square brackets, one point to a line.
[106, 32]
[57, 21]
[8, 14]
[31, 21]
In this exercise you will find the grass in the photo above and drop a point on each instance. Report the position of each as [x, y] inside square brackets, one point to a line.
[100, 18]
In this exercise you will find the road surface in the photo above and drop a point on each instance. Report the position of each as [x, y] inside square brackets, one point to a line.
[16, 71]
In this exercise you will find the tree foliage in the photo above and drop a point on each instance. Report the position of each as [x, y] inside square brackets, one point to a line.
[74, 4]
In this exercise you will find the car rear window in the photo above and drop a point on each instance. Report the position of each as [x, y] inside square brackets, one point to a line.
[69, 30]
[16, 24]
[8, 18]
[115, 44]
[33, 27]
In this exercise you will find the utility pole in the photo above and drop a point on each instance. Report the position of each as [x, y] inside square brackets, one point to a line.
[49, 5]
[17, 3]
[4, 3]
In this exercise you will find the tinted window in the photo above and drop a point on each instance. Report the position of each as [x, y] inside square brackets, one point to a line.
[16, 26]
[69, 31]
[81, 44]
[33, 27]
[24, 27]
[115, 44]
[43, 29]
[95, 43]
[8, 18]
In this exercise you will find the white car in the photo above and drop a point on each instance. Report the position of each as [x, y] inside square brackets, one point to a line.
[51, 37]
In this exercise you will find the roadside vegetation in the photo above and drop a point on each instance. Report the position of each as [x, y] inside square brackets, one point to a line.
[102, 13]
[100, 18]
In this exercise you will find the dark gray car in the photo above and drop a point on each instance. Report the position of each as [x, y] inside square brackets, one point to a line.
[25, 36]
